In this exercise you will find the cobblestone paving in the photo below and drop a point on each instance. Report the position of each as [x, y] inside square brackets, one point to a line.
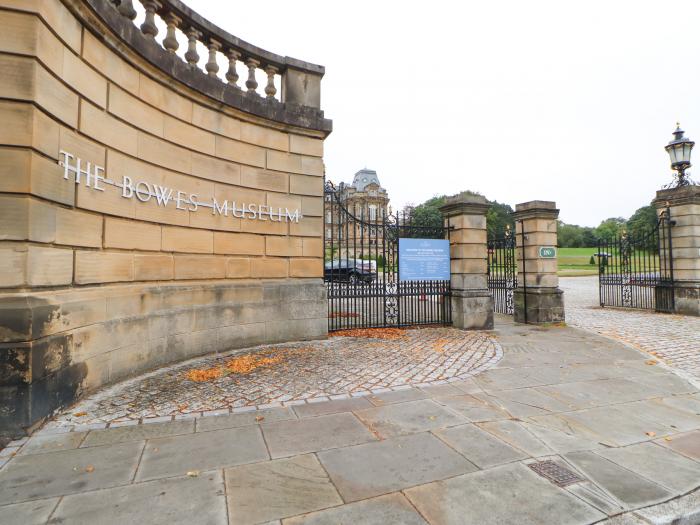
[338, 368]
[674, 339]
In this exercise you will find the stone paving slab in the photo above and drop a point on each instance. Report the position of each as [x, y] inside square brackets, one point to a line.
[205, 424]
[502, 495]
[615, 426]
[288, 438]
[687, 444]
[278, 489]
[560, 436]
[479, 447]
[137, 433]
[30, 513]
[364, 471]
[475, 407]
[392, 509]
[53, 443]
[397, 396]
[331, 407]
[175, 456]
[525, 402]
[405, 418]
[196, 499]
[673, 471]
[39, 476]
[592, 494]
[628, 488]
[667, 412]
[589, 394]
[517, 436]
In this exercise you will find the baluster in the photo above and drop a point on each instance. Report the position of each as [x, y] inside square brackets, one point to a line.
[270, 89]
[211, 66]
[148, 27]
[170, 42]
[251, 83]
[126, 8]
[232, 74]
[191, 55]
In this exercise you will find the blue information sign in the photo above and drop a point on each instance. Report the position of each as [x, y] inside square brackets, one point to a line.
[424, 260]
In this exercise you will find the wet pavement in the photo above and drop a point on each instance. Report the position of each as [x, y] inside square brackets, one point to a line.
[627, 432]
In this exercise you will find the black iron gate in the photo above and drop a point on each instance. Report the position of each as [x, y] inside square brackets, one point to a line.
[635, 269]
[502, 274]
[361, 269]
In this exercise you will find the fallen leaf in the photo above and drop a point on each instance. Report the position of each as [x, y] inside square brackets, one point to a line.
[259, 418]
[89, 468]
[668, 439]
[200, 375]
[651, 362]
[193, 473]
[650, 434]
[80, 414]
[372, 333]
[431, 418]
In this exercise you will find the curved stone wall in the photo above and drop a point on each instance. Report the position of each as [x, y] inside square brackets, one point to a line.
[149, 211]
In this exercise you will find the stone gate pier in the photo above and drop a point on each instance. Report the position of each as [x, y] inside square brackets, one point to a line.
[154, 205]
[538, 298]
[684, 206]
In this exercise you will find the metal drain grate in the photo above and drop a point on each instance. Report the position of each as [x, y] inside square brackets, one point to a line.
[555, 473]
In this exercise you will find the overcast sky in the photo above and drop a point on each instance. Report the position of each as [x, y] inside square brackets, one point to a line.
[519, 100]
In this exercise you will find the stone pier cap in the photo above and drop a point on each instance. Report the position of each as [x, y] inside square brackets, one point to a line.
[539, 209]
[465, 204]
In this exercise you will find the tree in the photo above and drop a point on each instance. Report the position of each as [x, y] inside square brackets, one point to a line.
[641, 226]
[610, 228]
[498, 217]
[642, 221]
[428, 214]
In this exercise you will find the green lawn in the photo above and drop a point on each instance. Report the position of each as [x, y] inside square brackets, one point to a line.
[575, 261]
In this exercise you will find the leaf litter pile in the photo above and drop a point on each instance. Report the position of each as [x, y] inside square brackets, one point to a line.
[390, 334]
[242, 365]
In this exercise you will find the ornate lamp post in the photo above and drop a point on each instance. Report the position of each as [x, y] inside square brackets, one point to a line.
[679, 150]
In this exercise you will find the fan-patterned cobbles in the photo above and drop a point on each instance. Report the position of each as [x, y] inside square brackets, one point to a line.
[336, 368]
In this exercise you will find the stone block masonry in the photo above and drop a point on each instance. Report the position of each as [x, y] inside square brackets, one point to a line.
[150, 210]
[472, 304]
[684, 206]
[537, 299]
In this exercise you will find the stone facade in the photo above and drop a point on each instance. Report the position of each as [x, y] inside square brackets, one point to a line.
[538, 298]
[366, 200]
[684, 205]
[103, 278]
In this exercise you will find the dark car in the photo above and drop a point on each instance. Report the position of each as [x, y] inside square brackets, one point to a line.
[350, 270]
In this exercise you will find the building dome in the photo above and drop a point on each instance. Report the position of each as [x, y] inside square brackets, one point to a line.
[364, 178]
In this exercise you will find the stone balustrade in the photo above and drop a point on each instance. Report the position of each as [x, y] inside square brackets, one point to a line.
[298, 100]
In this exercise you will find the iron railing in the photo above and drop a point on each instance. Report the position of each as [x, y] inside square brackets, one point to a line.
[635, 270]
[361, 270]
